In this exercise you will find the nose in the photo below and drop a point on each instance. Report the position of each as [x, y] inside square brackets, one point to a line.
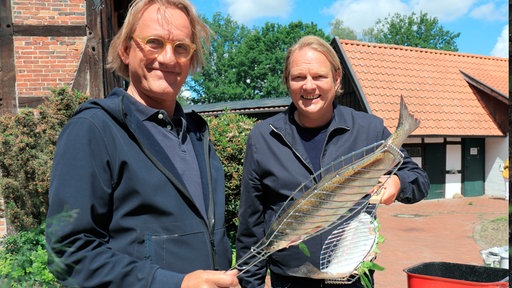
[167, 55]
[309, 84]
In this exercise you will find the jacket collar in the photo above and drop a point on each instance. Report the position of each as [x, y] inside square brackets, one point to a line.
[115, 105]
[118, 107]
[340, 120]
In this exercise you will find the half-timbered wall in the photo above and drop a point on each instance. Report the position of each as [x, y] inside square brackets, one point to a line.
[47, 39]
[45, 44]
[46, 61]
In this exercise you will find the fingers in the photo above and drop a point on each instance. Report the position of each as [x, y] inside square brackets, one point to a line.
[389, 189]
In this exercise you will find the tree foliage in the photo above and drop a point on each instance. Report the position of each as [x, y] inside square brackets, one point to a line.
[217, 80]
[413, 30]
[338, 29]
[246, 63]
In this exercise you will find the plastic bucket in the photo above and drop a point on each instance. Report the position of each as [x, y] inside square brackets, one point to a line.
[454, 275]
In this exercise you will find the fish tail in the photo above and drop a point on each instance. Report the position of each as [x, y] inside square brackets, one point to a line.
[406, 125]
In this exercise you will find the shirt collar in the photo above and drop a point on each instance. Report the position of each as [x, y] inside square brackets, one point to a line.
[146, 113]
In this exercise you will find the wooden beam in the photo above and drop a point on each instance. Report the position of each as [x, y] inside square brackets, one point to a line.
[7, 65]
[93, 49]
[81, 79]
[110, 16]
[92, 77]
[50, 30]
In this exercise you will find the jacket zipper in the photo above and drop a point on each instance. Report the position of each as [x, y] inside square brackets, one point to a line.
[211, 213]
[211, 207]
[210, 223]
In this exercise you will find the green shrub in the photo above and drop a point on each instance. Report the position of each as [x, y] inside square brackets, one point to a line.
[229, 134]
[27, 144]
[23, 260]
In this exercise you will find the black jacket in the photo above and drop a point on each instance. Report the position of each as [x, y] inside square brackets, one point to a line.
[120, 214]
[276, 164]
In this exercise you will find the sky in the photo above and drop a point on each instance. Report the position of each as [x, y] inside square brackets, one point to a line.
[483, 24]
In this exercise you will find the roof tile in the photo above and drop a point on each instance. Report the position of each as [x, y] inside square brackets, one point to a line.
[432, 85]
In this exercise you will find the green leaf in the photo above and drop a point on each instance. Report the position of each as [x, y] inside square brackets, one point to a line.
[375, 266]
[304, 249]
[366, 282]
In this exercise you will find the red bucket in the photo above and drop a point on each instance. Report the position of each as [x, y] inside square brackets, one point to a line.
[454, 275]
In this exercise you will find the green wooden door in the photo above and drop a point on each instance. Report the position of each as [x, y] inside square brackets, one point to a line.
[434, 165]
[474, 165]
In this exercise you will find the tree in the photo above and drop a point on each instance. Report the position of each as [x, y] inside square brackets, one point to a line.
[246, 63]
[260, 61]
[338, 29]
[414, 31]
[216, 79]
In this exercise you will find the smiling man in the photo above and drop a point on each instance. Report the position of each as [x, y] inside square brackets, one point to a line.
[137, 190]
[286, 150]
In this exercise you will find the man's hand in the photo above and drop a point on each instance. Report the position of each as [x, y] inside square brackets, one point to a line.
[388, 191]
[211, 279]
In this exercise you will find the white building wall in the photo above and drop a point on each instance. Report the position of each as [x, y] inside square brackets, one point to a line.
[496, 152]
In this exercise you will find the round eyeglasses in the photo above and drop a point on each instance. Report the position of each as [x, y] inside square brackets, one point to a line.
[153, 46]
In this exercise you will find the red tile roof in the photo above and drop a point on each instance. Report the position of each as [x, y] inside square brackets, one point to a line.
[432, 85]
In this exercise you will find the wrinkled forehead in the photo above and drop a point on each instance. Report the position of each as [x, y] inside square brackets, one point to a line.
[164, 20]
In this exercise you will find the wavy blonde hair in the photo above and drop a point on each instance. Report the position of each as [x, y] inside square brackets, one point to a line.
[200, 34]
[318, 44]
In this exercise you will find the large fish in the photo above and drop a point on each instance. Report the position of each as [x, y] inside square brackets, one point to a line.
[330, 201]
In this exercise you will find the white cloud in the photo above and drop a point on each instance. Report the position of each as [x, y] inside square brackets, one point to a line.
[244, 11]
[361, 14]
[501, 47]
[444, 10]
[490, 12]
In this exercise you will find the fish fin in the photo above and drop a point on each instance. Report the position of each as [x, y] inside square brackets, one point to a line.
[406, 119]
[407, 123]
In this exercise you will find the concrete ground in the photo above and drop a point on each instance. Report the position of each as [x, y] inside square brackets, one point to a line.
[431, 231]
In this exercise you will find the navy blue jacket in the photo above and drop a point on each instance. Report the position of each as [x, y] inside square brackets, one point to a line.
[119, 212]
[276, 164]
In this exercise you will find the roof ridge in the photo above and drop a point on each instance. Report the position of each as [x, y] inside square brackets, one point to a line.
[426, 50]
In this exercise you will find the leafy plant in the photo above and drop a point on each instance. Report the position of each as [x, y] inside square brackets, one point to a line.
[364, 269]
[23, 260]
[27, 144]
[229, 134]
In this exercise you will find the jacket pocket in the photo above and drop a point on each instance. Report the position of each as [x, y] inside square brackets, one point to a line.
[180, 253]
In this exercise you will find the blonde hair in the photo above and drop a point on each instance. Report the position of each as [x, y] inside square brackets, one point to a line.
[318, 44]
[200, 34]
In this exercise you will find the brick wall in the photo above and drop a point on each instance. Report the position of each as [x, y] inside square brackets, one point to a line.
[46, 62]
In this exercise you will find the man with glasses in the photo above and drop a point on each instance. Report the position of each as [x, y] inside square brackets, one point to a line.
[137, 190]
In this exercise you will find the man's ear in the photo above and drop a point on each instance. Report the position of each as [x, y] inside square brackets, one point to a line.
[124, 53]
[338, 77]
